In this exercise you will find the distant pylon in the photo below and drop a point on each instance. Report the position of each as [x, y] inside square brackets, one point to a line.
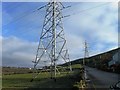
[52, 45]
[86, 52]
[86, 55]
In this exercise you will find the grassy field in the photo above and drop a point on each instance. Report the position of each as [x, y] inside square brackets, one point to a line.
[64, 80]
[76, 66]
[43, 80]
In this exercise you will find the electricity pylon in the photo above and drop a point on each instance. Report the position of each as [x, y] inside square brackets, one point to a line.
[52, 44]
[86, 55]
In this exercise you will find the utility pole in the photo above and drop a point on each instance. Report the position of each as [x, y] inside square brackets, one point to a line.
[52, 42]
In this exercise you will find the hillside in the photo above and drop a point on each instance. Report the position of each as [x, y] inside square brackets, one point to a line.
[100, 61]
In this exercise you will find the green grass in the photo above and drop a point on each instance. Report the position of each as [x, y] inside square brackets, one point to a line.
[63, 80]
[76, 66]
[16, 80]
[43, 80]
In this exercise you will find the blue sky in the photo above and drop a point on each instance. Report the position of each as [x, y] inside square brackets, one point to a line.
[95, 22]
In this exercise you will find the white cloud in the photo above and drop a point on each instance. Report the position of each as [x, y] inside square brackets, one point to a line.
[99, 26]
[17, 52]
[75, 45]
[21, 53]
[109, 35]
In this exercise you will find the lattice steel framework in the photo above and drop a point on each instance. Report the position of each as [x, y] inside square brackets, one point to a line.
[52, 45]
[86, 55]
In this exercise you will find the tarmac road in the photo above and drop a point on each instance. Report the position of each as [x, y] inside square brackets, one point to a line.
[101, 79]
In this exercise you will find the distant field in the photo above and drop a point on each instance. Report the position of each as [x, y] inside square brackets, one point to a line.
[76, 66]
[64, 80]
[14, 70]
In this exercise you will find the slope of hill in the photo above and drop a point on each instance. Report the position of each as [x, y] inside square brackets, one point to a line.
[100, 61]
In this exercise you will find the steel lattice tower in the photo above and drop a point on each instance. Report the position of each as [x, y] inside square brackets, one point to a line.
[52, 44]
[86, 55]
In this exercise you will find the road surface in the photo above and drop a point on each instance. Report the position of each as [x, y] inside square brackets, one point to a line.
[101, 79]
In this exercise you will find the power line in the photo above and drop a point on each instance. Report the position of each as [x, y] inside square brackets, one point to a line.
[91, 8]
[28, 13]
[25, 14]
[86, 10]
[11, 7]
[83, 11]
